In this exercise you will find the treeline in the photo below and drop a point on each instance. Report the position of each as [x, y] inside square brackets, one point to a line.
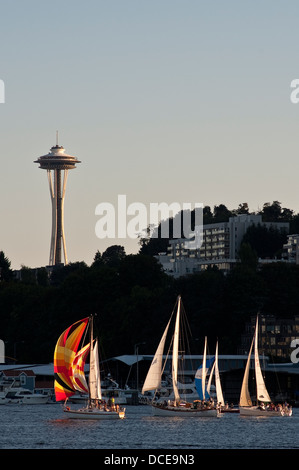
[152, 243]
[133, 299]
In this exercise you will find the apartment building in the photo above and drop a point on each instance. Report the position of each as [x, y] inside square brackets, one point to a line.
[275, 335]
[220, 244]
[291, 249]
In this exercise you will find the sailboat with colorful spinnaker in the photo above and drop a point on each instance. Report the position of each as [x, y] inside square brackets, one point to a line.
[69, 362]
[264, 407]
[178, 406]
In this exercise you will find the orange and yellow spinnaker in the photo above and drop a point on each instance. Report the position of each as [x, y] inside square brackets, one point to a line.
[64, 355]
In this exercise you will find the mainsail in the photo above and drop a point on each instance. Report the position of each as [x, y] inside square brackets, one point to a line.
[64, 355]
[261, 391]
[94, 374]
[245, 399]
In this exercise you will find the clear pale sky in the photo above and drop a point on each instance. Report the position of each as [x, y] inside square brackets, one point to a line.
[162, 101]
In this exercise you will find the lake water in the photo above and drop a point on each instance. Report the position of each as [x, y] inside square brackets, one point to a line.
[46, 427]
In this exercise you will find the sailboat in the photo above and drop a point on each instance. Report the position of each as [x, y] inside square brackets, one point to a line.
[222, 408]
[176, 407]
[264, 406]
[69, 373]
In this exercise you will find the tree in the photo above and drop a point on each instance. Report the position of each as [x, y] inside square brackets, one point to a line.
[242, 209]
[271, 212]
[221, 213]
[113, 255]
[5, 271]
[267, 242]
[248, 256]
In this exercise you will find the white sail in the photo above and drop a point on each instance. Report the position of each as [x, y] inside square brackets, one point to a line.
[204, 370]
[175, 354]
[97, 371]
[154, 375]
[261, 391]
[94, 370]
[210, 379]
[245, 399]
[219, 393]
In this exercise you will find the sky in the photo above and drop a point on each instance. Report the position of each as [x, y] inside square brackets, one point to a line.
[161, 101]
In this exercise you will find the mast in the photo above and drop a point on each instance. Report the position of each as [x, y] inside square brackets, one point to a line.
[204, 372]
[175, 354]
[219, 393]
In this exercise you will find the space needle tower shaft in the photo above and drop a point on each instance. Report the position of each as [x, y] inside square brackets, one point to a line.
[57, 163]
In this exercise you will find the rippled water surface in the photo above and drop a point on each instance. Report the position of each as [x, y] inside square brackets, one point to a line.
[46, 427]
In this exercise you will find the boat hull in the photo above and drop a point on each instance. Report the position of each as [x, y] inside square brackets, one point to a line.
[183, 412]
[34, 400]
[257, 411]
[94, 414]
[229, 410]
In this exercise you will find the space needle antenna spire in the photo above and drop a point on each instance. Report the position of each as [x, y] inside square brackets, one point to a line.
[57, 163]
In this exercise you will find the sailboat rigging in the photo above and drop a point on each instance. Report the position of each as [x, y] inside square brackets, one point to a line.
[70, 377]
[264, 406]
[177, 406]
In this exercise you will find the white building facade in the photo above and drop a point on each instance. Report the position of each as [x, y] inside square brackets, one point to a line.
[291, 249]
[220, 244]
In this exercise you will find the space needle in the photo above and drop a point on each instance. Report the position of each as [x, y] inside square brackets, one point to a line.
[57, 163]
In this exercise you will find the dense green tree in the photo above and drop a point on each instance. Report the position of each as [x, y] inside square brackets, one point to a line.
[113, 255]
[221, 213]
[5, 271]
[267, 242]
[248, 256]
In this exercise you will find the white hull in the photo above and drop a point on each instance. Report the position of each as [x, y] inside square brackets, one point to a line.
[182, 412]
[34, 400]
[26, 397]
[257, 411]
[87, 413]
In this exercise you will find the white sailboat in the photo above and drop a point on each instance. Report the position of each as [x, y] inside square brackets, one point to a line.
[70, 377]
[222, 408]
[264, 406]
[177, 406]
